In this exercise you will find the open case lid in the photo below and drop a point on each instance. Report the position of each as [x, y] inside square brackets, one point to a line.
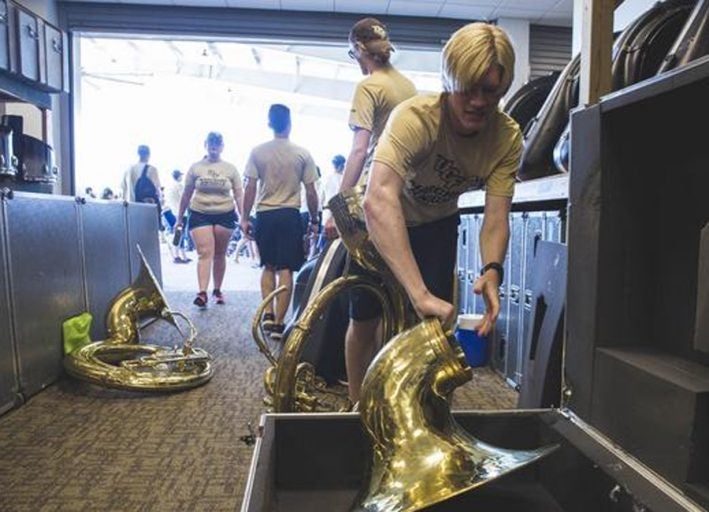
[637, 348]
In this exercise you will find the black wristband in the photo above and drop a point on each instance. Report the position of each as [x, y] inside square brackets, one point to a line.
[494, 266]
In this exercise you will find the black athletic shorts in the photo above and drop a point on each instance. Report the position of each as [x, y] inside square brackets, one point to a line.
[279, 237]
[226, 219]
[435, 247]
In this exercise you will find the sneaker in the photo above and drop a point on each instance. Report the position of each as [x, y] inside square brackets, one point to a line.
[200, 300]
[218, 297]
[277, 331]
[268, 321]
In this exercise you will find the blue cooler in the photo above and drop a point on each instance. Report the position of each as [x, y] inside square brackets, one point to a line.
[474, 346]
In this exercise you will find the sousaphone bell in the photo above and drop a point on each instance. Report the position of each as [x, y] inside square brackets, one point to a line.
[421, 455]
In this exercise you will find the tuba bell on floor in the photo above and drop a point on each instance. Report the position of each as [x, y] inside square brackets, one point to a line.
[421, 455]
[121, 361]
[292, 384]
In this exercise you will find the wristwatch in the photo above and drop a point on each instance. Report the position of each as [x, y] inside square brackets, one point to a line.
[494, 266]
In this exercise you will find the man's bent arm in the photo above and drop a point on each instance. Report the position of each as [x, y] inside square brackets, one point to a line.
[495, 231]
[494, 236]
[387, 229]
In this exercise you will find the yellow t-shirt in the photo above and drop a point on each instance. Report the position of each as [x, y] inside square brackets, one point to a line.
[280, 167]
[438, 165]
[374, 99]
[213, 185]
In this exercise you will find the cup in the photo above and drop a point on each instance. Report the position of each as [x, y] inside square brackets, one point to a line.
[474, 346]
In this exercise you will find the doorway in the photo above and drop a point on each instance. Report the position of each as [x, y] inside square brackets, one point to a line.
[169, 93]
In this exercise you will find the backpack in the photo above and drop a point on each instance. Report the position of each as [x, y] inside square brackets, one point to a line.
[145, 190]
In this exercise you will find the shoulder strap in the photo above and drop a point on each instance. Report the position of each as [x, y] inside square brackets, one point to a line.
[145, 170]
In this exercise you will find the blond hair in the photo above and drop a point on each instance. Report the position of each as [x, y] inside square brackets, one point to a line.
[471, 51]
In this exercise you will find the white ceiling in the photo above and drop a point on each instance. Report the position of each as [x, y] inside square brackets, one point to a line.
[286, 68]
[546, 12]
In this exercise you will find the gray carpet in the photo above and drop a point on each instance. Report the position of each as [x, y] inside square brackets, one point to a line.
[78, 447]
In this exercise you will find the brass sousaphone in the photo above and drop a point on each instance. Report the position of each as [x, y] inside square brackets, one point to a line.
[121, 361]
[291, 384]
[421, 455]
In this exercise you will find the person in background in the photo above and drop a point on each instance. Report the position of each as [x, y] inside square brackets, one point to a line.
[172, 196]
[134, 172]
[89, 192]
[374, 99]
[107, 194]
[434, 148]
[279, 167]
[332, 187]
[214, 195]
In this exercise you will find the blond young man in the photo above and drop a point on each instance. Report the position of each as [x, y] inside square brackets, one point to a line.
[434, 148]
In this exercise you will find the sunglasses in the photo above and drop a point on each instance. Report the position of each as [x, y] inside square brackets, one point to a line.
[351, 54]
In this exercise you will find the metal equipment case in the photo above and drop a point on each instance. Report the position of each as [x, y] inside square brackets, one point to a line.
[314, 462]
[634, 434]
[60, 256]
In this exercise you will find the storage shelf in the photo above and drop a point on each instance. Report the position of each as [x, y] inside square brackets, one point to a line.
[541, 190]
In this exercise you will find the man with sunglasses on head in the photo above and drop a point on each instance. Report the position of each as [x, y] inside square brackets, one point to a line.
[434, 148]
[374, 99]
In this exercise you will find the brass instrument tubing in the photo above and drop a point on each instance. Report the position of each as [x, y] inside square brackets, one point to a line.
[257, 330]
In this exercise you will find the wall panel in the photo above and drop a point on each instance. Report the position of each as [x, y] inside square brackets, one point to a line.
[549, 49]
[106, 258]
[8, 361]
[46, 282]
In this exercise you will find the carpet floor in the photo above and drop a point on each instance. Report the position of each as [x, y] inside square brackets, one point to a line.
[78, 447]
